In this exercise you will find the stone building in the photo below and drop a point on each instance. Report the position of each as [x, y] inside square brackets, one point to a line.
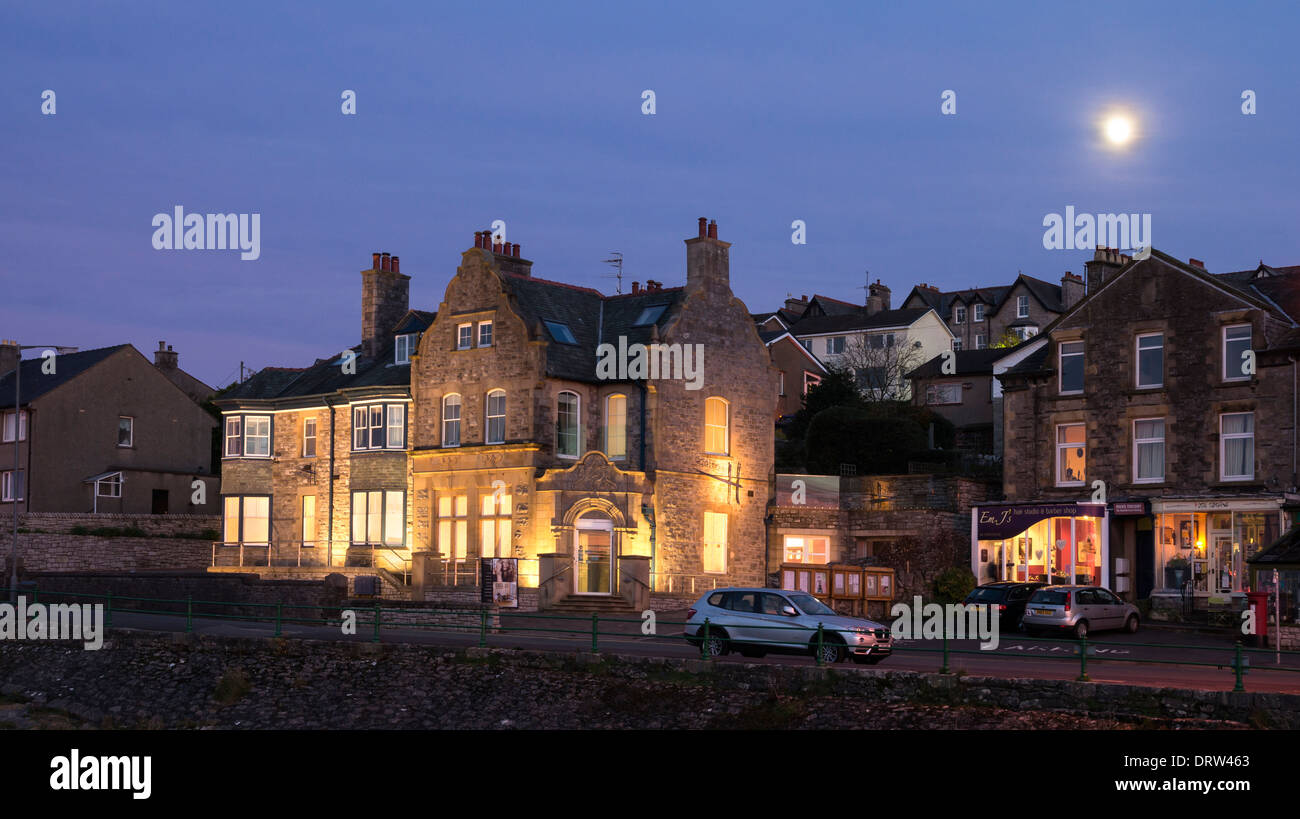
[1149, 432]
[103, 430]
[798, 371]
[536, 433]
[979, 316]
[315, 465]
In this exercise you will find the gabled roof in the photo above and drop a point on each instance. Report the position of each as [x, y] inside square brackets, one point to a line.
[415, 321]
[825, 305]
[36, 383]
[968, 362]
[774, 336]
[943, 302]
[857, 321]
[1279, 285]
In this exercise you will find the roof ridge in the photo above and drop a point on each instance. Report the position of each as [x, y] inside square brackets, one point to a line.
[579, 287]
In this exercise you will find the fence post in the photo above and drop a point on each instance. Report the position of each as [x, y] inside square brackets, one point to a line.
[595, 629]
[279, 608]
[818, 655]
[1240, 687]
[704, 642]
[1083, 659]
[945, 669]
[189, 613]
[482, 628]
[376, 623]
[108, 611]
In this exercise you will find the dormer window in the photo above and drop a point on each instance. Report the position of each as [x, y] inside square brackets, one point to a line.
[979, 312]
[1022, 307]
[959, 315]
[405, 347]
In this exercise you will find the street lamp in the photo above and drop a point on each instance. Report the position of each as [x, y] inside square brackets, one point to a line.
[13, 484]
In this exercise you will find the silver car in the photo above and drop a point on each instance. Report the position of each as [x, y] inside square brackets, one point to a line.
[758, 621]
[1077, 609]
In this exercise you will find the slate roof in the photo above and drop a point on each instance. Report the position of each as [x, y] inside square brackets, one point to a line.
[323, 377]
[856, 321]
[415, 321]
[1278, 285]
[36, 383]
[1047, 293]
[969, 362]
[1036, 363]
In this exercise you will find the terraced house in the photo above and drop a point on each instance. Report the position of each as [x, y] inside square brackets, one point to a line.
[495, 428]
[314, 460]
[1174, 391]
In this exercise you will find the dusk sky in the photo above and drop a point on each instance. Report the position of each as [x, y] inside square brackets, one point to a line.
[532, 113]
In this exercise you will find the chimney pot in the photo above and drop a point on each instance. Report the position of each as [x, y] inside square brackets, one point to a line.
[713, 229]
[162, 345]
[703, 227]
[374, 261]
[385, 262]
[478, 238]
[636, 287]
[514, 250]
[395, 265]
[1196, 263]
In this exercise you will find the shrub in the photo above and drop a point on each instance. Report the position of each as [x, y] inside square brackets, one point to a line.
[953, 584]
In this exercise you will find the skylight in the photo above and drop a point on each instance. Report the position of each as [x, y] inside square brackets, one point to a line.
[650, 315]
[560, 332]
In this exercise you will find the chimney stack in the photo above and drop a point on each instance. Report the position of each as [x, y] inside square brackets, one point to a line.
[636, 288]
[796, 305]
[165, 358]
[385, 298]
[1196, 263]
[9, 355]
[877, 298]
[707, 259]
[1071, 290]
[1106, 262]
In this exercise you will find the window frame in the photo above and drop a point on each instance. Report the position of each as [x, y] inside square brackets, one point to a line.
[977, 313]
[1022, 306]
[1224, 437]
[403, 346]
[1059, 446]
[1137, 442]
[609, 414]
[577, 425]
[384, 514]
[959, 314]
[241, 421]
[309, 424]
[478, 333]
[465, 336]
[444, 420]
[1137, 361]
[1060, 366]
[20, 427]
[7, 489]
[1223, 345]
[372, 421]
[130, 429]
[489, 417]
[933, 390]
[726, 425]
[302, 516]
[242, 517]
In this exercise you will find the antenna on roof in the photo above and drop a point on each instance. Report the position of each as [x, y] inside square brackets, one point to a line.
[866, 288]
[616, 259]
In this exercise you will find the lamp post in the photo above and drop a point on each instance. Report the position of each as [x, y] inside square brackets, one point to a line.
[13, 481]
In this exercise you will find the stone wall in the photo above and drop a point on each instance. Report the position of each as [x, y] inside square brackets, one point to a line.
[70, 553]
[155, 525]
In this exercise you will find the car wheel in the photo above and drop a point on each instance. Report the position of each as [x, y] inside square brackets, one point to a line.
[717, 645]
[832, 650]
[1131, 625]
[1081, 629]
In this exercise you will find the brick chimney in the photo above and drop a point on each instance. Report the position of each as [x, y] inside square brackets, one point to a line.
[1071, 289]
[877, 298]
[1196, 263]
[385, 298]
[1106, 262]
[9, 355]
[165, 358]
[505, 255]
[796, 305]
[707, 259]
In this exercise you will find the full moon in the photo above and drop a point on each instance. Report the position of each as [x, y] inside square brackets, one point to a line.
[1119, 130]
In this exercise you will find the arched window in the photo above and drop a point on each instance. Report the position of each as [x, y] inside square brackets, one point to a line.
[451, 420]
[716, 434]
[567, 423]
[616, 427]
[496, 417]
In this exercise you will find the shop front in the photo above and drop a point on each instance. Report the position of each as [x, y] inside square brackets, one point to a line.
[1061, 543]
[1202, 545]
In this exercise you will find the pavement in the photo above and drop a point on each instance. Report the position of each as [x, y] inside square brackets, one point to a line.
[1172, 657]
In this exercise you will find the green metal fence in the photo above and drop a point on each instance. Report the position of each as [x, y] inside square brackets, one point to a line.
[711, 641]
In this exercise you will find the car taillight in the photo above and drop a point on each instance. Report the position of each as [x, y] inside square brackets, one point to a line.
[1067, 600]
[690, 613]
[1002, 606]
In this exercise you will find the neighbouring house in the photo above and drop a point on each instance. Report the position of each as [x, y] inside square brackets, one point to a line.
[315, 465]
[1149, 432]
[798, 370]
[103, 430]
[959, 387]
[525, 443]
[879, 344]
[980, 317]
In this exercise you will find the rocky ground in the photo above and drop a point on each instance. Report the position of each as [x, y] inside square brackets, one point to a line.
[52, 686]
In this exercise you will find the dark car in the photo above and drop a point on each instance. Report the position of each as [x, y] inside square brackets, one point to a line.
[1010, 598]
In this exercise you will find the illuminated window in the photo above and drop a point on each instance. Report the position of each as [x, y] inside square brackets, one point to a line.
[567, 440]
[247, 519]
[616, 427]
[453, 526]
[309, 520]
[378, 517]
[1071, 454]
[715, 426]
[807, 549]
[494, 524]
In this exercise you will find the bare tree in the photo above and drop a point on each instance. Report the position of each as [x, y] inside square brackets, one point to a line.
[880, 363]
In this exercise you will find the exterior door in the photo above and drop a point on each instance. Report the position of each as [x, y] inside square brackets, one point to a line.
[1223, 568]
[593, 557]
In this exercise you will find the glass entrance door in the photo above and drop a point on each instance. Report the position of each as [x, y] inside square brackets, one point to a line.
[593, 558]
[1223, 564]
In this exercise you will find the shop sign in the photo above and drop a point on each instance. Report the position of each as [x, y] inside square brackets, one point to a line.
[1130, 507]
[1002, 522]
